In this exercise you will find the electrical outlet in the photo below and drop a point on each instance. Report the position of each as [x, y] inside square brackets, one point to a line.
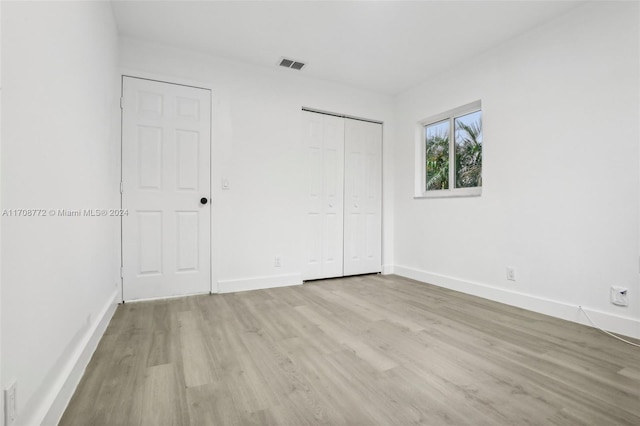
[511, 273]
[277, 262]
[619, 296]
[10, 404]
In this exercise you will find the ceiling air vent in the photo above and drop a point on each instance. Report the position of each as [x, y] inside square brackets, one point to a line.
[289, 63]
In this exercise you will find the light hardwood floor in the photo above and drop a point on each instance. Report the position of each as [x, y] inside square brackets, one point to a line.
[362, 351]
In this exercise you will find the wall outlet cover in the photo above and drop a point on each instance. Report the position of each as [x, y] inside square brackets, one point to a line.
[619, 296]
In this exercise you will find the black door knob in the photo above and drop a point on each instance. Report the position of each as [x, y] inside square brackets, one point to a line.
[203, 200]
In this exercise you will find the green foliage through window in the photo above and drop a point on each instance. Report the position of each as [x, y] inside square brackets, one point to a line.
[465, 154]
[438, 155]
[468, 130]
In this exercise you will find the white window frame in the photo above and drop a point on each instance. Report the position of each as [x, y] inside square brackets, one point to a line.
[420, 190]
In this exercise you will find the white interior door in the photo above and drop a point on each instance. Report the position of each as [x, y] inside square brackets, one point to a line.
[324, 146]
[363, 197]
[166, 143]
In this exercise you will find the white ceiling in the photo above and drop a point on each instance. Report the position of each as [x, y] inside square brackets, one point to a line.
[384, 46]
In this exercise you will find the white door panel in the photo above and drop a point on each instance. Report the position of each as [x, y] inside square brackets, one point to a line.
[324, 146]
[165, 172]
[363, 197]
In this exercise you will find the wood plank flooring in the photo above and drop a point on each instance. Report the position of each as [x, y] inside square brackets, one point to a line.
[369, 350]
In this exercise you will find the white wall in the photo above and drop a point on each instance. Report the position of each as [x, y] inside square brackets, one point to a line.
[257, 147]
[560, 173]
[59, 133]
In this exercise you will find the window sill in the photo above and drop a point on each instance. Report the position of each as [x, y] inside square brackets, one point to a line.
[451, 193]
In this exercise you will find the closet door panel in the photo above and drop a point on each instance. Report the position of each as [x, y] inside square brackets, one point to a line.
[363, 198]
[324, 152]
[312, 133]
[333, 179]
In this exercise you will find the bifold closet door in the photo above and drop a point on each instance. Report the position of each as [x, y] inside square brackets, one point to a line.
[323, 137]
[362, 197]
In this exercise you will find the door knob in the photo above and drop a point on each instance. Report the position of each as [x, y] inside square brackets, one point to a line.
[203, 200]
[355, 205]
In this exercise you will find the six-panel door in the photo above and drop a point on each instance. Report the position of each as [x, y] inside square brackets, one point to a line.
[166, 182]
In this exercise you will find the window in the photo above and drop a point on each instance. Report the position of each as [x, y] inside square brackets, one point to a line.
[450, 153]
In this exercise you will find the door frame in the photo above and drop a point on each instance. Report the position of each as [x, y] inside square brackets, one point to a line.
[162, 78]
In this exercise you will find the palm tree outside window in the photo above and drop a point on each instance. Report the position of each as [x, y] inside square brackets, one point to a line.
[453, 151]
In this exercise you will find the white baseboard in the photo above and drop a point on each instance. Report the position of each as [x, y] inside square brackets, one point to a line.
[615, 323]
[257, 283]
[62, 389]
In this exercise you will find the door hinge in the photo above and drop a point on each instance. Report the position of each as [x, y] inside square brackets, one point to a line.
[121, 102]
[121, 188]
[121, 272]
